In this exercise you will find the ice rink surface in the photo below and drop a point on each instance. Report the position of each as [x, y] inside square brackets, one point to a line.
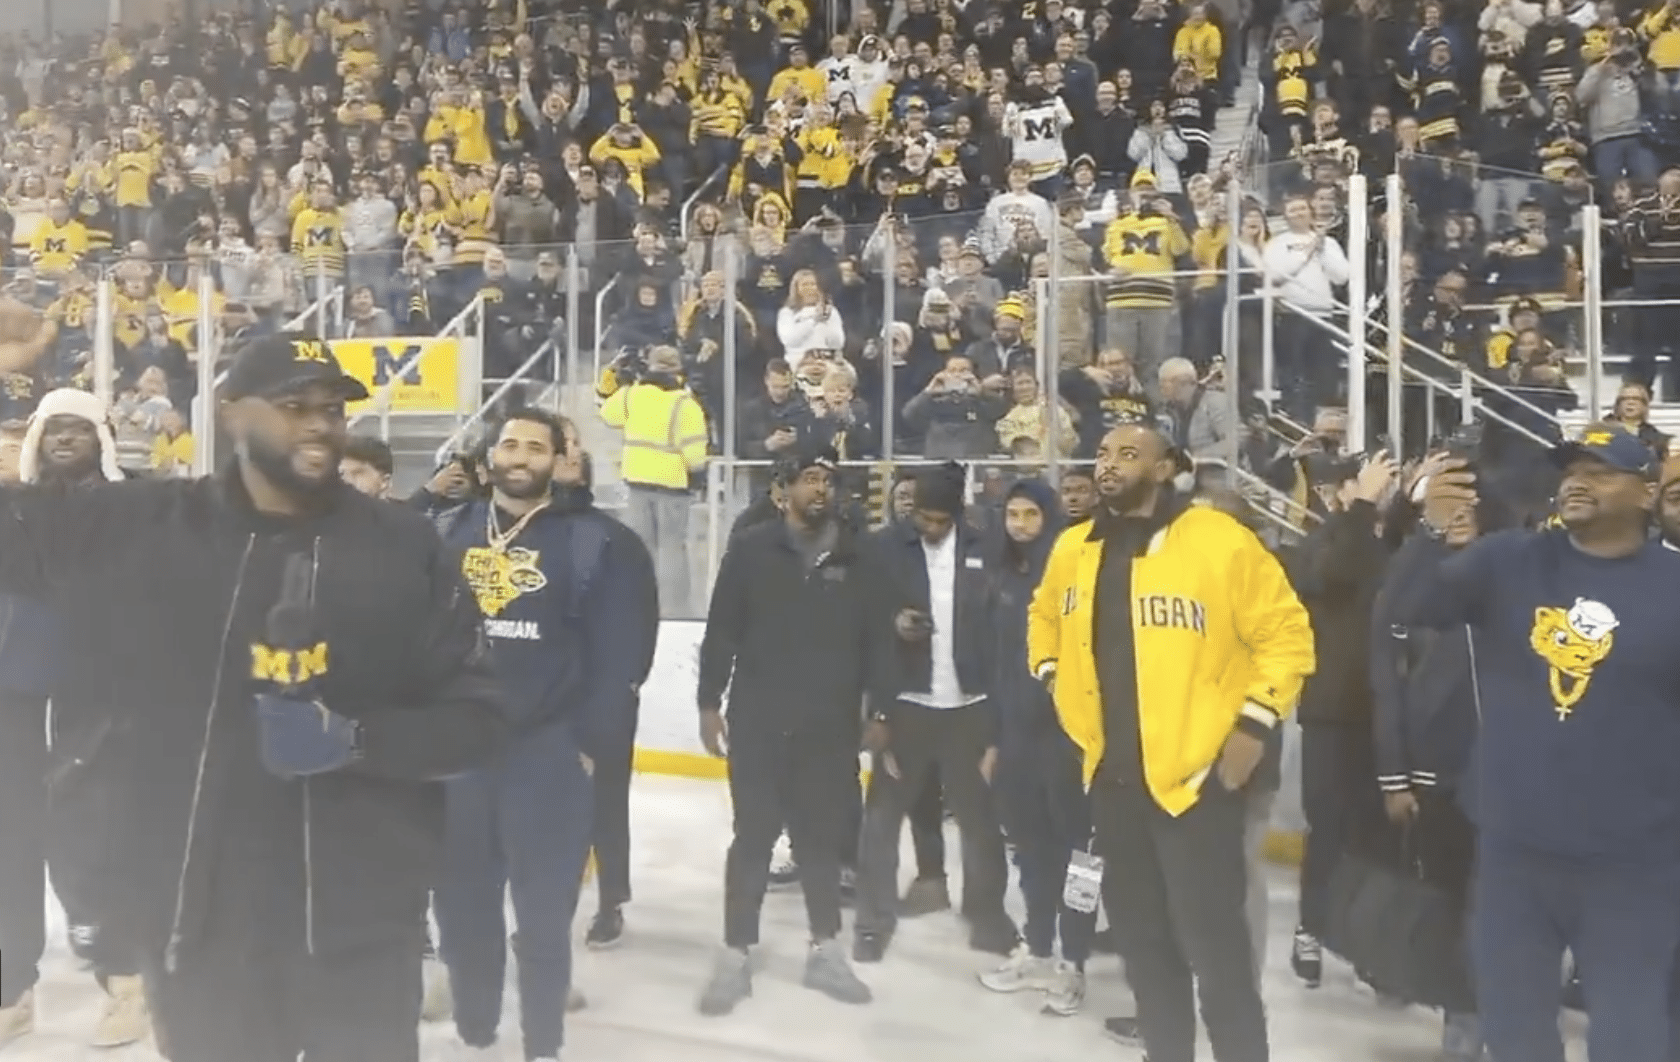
[928, 1006]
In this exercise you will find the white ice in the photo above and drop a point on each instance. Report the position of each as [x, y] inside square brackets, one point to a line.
[928, 1006]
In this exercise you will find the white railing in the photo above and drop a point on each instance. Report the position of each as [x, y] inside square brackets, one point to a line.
[479, 415]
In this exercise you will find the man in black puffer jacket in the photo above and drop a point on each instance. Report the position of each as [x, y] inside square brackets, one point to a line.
[282, 821]
[1338, 573]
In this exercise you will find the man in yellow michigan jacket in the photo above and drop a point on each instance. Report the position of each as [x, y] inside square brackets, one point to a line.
[1173, 646]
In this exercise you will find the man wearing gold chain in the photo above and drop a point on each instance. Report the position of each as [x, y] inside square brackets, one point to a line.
[571, 613]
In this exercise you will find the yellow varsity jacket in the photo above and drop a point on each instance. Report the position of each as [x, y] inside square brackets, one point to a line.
[1219, 635]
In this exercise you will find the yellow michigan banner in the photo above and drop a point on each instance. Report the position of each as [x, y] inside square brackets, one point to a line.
[430, 368]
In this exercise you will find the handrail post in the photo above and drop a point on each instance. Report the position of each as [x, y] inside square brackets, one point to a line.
[731, 379]
[1396, 290]
[1592, 297]
[204, 430]
[1052, 348]
[104, 339]
[1268, 392]
[1232, 322]
[889, 311]
[1358, 253]
[601, 321]
[574, 307]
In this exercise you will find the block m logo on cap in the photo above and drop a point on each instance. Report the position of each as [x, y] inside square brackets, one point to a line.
[310, 350]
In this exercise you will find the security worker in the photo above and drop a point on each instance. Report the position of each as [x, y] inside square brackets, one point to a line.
[664, 444]
[1168, 752]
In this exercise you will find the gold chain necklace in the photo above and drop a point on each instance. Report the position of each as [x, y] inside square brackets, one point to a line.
[498, 539]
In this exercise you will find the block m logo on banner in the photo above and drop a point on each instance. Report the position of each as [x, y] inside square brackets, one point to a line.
[399, 362]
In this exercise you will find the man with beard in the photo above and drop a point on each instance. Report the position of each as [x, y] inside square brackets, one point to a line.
[299, 665]
[1577, 802]
[794, 609]
[571, 614]
[1169, 751]
[66, 447]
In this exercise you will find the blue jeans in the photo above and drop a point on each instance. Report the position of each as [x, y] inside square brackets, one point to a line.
[522, 827]
[1621, 156]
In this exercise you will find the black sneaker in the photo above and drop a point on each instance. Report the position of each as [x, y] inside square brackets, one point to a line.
[1306, 958]
[1124, 1031]
[606, 931]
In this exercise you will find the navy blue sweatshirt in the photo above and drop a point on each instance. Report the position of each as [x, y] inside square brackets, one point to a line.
[571, 614]
[1580, 689]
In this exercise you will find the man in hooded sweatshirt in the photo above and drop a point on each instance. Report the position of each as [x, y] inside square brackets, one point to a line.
[66, 447]
[1036, 782]
[570, 614]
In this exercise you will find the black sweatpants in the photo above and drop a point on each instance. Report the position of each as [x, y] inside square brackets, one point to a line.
[1175, 890]
[23, 842]
[1444, 843]
[806, 782]
[611, 836]
[953, 741]
[927, 827]
[251, 996]
[1343, 806]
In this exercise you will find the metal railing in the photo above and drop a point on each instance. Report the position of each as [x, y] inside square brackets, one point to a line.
[461, 434]
[688, 204]
[1465, 394]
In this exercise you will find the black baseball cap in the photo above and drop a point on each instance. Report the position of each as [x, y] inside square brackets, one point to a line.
[790, 466]
[285, 364]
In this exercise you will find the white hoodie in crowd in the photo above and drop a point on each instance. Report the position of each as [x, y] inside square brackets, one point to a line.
[68, 401]
[1306, 267]
[997, 225]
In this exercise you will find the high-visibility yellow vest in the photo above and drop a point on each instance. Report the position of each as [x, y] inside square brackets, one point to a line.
[664, 434]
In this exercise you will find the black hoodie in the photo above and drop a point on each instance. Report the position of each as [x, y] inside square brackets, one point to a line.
[1023, 704]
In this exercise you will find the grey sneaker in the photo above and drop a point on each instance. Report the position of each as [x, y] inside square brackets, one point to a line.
[829, 971]
[730, 983]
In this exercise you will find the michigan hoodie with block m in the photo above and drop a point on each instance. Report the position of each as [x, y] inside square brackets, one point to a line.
[1580, 688]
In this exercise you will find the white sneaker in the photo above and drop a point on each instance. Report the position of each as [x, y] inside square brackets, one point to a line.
[125, 1019]
[1066, 994]
[17, 1020]
[1021, 972]
[436, 1003]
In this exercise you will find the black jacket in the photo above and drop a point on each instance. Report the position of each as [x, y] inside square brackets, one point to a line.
[796, 649]
[904, 568]
[1337, 575]
[1424, 683]
[167, 585]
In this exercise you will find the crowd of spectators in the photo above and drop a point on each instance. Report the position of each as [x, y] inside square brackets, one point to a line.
[409, 160]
